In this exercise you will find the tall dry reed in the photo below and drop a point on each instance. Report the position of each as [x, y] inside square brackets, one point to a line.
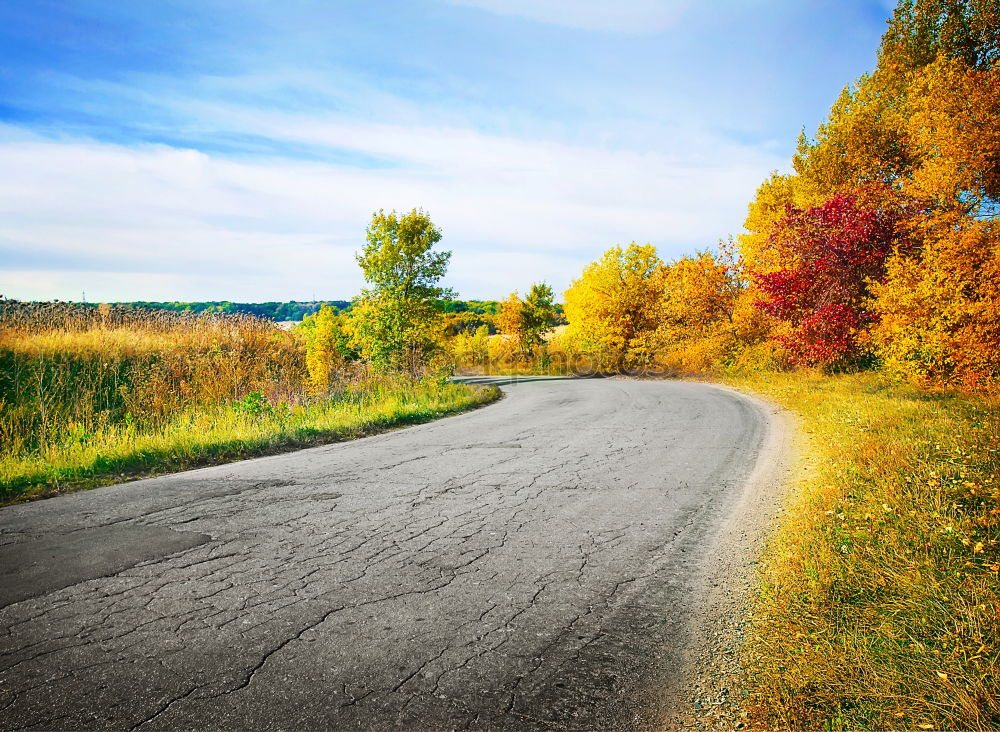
[68, 371]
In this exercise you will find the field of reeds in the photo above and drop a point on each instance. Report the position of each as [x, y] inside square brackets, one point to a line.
[879, 605]
[97, 395]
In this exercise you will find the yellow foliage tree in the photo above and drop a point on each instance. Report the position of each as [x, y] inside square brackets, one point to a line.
[699, 293]
[940, 311]
[708, 317]
[954, 129]
[327, 346]
[862, 142]
[509, 321]
[940, 306]
[613, 309]
[767, 208]
[471, 350]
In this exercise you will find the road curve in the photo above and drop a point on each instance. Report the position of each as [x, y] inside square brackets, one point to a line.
[538, 563]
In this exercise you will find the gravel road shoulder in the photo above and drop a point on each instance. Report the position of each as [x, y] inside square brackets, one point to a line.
[709, 696]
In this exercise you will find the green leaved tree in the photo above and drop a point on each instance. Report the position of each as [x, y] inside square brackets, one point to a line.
[538, 314]
[395, 317]
[524, 323]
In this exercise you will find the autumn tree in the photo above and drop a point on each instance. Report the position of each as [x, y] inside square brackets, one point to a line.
[395, 317]
[327, 345]
[614, 307]
[767, 208]
[862, 143]
[940, 304]
[700, 291]
[863, 140]
[939, 311]
[920, 136]
[921, 31]
[835, 251]
[707, 315]
[954, 130]
[523, 323]
[471, 349]
[867, 136]
[510, 327]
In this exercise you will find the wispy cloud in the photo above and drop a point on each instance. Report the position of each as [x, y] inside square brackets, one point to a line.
[184, 150]
[510, 208]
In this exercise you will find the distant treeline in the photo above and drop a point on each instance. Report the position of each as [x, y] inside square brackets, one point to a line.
[291, 310]
[295, 310]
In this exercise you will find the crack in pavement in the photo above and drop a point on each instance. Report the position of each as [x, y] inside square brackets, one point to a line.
[543, 574]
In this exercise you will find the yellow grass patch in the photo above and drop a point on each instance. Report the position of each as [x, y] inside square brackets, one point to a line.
[879, 606]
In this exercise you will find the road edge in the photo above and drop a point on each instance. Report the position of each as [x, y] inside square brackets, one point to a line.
[278, 448]
[710, 689]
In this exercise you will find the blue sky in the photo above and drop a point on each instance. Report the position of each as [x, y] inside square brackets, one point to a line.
[234, 149]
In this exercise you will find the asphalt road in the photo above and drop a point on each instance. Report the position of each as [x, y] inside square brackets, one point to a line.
[537, 563]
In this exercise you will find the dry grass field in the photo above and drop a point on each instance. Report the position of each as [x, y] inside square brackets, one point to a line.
[97, 395]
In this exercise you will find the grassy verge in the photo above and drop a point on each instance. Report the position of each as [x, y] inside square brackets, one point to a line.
[880, 601]
[224, 434]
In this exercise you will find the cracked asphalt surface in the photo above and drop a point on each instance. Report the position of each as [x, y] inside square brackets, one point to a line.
[535, 564]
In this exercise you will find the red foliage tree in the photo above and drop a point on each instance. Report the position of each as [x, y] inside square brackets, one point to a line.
[834, 252]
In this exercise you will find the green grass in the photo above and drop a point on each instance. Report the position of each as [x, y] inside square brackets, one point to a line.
[226, 433]
[879, 603]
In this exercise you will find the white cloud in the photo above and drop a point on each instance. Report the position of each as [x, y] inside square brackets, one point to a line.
[624, 16]
[158, 222]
